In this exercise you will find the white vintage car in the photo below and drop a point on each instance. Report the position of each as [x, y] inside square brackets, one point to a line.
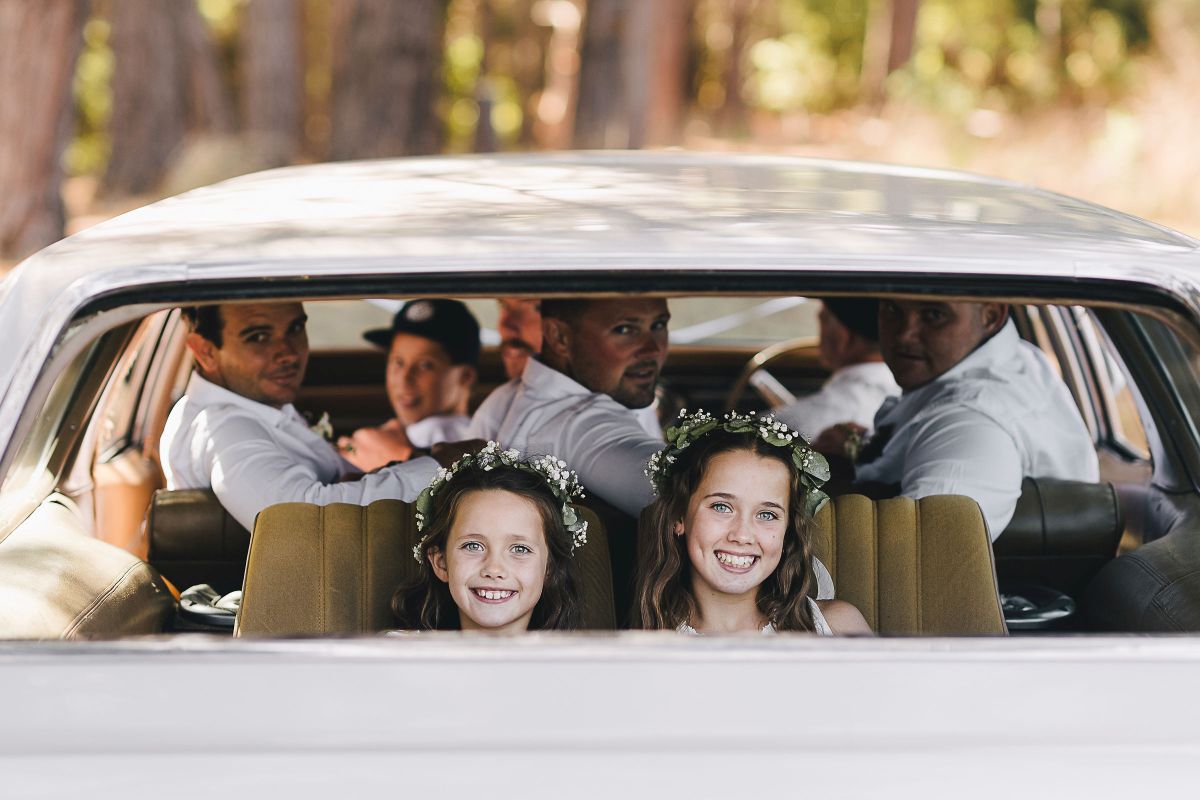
[108, 687]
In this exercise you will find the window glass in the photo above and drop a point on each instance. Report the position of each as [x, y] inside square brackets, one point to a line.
[31, 476]
[751, 322]
[1125, 427]
[1181, 361]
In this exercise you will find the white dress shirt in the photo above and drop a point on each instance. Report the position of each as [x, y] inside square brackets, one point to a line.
[427, 432]
[544, 412]
[852, 394]
[998, 416]
[253, 456]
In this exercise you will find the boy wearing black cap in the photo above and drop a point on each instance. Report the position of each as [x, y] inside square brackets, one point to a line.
[859, 380]
[433, 350]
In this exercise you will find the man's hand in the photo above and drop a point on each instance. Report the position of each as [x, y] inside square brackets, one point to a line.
[841, 440]
[371, 448]
[447, 453]
[839, 444]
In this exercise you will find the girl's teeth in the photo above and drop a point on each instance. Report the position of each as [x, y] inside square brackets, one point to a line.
[735, 561]
[488, 594]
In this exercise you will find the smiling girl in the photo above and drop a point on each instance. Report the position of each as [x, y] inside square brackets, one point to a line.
[496, 556]
[726, 544]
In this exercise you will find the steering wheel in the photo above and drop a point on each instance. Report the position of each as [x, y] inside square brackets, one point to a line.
[755, 374]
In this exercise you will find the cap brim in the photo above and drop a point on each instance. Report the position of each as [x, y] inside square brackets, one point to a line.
[380, 337]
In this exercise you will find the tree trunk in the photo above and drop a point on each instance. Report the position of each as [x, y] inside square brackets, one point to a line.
[731, 118]
[891, 27]
[386, 77]
[631, 79]
[601, 112]
[272, 75]
[904, 27]
[208, 98]
[39, 43]
[165, 83]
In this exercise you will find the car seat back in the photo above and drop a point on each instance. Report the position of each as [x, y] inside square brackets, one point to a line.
[916, 567]
[334, 569]
[58, 582]
[192, 539]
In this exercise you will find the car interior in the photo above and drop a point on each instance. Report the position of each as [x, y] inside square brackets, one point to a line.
[109, 552]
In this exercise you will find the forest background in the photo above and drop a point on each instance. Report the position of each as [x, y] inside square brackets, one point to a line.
[109, 104]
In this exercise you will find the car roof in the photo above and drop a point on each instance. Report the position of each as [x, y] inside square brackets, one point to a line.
[476, 209]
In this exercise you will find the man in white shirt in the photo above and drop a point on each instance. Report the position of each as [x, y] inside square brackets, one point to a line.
[980, 410]
[235, 429]
[433, 351]
[600, 362]
[859, 380]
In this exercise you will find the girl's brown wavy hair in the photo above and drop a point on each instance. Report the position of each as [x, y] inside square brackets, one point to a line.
[664, 585]
[426, 604]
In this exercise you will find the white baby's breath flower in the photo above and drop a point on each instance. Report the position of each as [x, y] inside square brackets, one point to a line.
[323, 427]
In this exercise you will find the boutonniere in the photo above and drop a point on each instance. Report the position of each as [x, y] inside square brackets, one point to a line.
[323, 427]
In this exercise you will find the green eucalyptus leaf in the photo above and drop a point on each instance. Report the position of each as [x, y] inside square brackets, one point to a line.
[813, 500]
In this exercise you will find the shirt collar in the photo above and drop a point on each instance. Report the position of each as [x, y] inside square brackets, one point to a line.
[543, 380]
[867, 370]
[897, 410]
[206, 393]
[994, 351]
[426, 432]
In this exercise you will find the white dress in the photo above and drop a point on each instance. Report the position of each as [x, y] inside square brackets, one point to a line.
[820, 625]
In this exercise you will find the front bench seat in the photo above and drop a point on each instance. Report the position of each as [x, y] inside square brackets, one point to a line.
[333, 569]
[912, 567]
[58, 582]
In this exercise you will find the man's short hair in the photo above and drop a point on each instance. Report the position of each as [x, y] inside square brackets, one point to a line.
[206, 321]
[859, 314]
[569, 310]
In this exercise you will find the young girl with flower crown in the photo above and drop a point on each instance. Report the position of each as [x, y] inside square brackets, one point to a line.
[500, 531]
[727, 547]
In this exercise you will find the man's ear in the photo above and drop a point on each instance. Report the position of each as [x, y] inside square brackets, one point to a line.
[437, 560]
[204, 351]
[993, 315]
[556, 339]
[467, 375]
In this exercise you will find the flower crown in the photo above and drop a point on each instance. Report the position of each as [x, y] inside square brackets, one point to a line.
[562, 482]
[811, 465]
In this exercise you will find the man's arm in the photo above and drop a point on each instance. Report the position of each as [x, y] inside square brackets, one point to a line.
[609, 450]
[965, 452]
[249, 471]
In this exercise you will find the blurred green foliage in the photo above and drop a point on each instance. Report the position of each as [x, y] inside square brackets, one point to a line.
[808, 55]
[776, 56]
[814, 63]
[87, 152]
[485, 74]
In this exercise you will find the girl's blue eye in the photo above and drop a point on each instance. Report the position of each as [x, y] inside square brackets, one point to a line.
[474, 547]
[723, 508]
[768, 515]
[521, 549]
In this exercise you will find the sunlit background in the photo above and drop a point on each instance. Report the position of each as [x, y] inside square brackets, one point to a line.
[143, 99]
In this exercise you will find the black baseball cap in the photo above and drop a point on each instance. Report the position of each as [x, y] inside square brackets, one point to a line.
[859, 314]
[447, 322]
